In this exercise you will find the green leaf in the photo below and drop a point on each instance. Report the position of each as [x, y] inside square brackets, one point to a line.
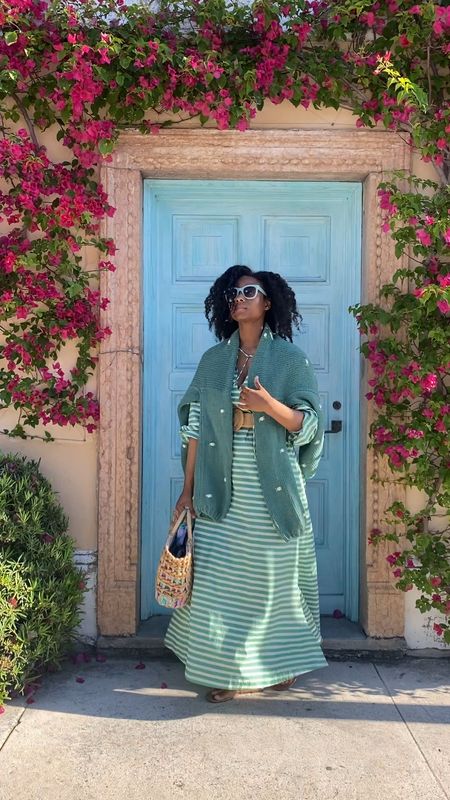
[11, 37]
[106, 146]
[74, 290]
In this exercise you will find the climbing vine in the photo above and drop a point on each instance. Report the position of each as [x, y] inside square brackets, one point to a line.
[88, 70]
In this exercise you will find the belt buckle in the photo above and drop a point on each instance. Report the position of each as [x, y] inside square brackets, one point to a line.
[239, 419]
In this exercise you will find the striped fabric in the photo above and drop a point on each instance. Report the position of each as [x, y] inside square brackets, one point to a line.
[253, 618]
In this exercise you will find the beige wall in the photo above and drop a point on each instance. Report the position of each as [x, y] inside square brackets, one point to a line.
[70, 462]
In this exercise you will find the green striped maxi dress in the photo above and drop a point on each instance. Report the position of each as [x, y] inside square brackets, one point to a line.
[253, 617]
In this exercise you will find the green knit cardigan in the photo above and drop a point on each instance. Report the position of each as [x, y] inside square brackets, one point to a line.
[286, 373]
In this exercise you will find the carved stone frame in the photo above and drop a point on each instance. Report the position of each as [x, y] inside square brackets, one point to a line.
[346, 155]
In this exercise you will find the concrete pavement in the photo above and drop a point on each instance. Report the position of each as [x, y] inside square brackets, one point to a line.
[352, 730]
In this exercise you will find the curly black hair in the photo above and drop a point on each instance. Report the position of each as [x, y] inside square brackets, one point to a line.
[282, 314]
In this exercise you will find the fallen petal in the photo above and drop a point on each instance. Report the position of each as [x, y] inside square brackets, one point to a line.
[164, 685]
[101, 658]
[77, 658]
[2, 709]
[79, 680]
[141, 665]
[30, 700]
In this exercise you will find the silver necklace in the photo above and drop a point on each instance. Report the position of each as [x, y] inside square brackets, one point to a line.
[247, 356]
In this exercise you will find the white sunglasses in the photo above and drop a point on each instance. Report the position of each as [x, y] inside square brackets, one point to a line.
[248, 292]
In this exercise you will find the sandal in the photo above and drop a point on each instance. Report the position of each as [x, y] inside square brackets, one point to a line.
[280, 687]
[222, 695]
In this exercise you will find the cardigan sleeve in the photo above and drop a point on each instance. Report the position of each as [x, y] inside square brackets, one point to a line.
[191, 430]
[308, 429]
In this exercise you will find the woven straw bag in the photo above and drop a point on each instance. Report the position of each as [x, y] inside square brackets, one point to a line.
[174, 575]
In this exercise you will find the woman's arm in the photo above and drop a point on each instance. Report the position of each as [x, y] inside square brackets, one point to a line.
[185, 498]
[190, 466]
[290, 418]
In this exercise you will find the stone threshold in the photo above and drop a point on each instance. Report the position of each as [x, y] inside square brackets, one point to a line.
[342, 640]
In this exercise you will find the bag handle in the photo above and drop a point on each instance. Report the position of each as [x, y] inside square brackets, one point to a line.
[185, 513]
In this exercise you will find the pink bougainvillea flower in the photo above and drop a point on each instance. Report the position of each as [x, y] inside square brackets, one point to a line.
[403, 40]
[438, 629]
[436, 581]
[392, 558]
[412, 433]
[441, 20]
[429, 382]
[374, 534]
[242, 124]
[381, 435]
[423, 237]
[397, 573]
[443, 306]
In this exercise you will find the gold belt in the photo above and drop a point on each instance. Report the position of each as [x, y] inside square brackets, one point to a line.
[242, 419]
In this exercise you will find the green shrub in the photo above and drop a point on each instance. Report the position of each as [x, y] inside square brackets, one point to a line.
[41, 589]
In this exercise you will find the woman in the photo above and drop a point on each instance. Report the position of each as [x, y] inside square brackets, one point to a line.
[253, 618]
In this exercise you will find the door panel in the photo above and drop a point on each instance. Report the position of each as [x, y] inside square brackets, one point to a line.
[310, 234]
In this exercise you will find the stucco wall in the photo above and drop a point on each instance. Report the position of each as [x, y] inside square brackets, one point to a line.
[70, 462]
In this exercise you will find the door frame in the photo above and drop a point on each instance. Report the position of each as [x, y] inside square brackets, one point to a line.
[272, 154]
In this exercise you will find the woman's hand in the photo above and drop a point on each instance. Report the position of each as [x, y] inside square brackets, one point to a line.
[184, 500]
[254, 399]
[259, 399]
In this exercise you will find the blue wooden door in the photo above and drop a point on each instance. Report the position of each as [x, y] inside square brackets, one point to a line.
[309, 232]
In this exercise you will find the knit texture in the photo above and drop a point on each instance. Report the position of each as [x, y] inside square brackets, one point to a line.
[284, 370]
